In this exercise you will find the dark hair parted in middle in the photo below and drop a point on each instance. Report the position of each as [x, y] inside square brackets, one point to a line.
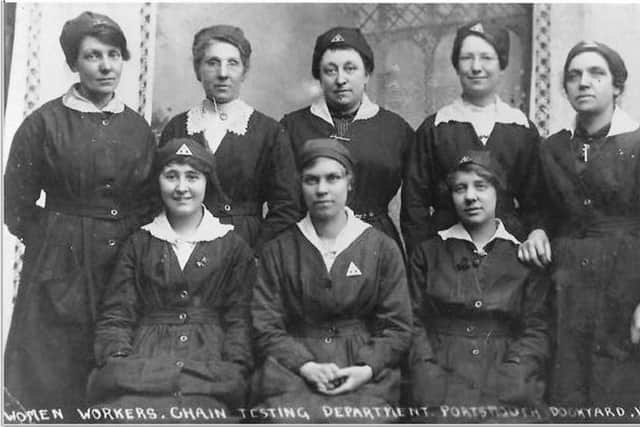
[225, 33]
[495, 35]
[90, 24]
[342, 38]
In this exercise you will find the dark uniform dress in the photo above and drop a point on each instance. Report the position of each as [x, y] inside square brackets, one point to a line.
[596, 269]
[482, 331]
[357, 313]
[440, 142]
[185, 332]
[254, 164]
[95, 169]
[378, 140]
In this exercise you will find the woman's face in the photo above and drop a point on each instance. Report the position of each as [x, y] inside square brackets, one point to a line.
[325, 187]
[182, 189]
[99, 66]
[589, 84]
[474, 199]
[343, 79]
[221, 71]
[478, 67]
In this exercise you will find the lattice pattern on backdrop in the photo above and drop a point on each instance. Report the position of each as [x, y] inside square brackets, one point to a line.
[146, 11]
[542, 66]
[31, 101]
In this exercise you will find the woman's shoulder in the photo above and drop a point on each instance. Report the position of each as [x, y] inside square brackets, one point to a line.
[394, 118]
[53, 107]
[262, 121]
[297, 114]
[428, 122]
[178, 119]
[556, 140]
[133, 115]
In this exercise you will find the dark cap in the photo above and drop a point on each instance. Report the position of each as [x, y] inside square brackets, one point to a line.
[613, 58]
[485, 160]
[227, 33]
[87, 23]
[341, 38]
[326, 147]
[496, 36]
[185, 149]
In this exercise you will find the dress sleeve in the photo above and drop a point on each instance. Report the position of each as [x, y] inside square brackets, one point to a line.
[236, 316]
[421, 348]
[120, 308]
[24, 176]
[531, 194]
[533, 340]
[147, 196]
[280, 188]
[270, 316]
[392, 320]
[175, 128]
[417, 192]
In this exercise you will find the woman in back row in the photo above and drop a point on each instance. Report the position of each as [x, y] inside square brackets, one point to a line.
[253, 156]
[478, 120]
[378, 139]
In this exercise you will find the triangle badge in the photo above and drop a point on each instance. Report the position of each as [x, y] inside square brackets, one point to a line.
[353, 270]
[337, 38]
[184, 151]
[477, 28]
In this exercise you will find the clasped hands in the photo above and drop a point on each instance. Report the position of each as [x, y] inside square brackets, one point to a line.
[331, 380]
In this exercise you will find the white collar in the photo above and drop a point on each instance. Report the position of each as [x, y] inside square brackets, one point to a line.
[460, 233]
[621, 122]
[210, 228]
[367, 110]
[459, 111]
[351, 231]
[74, 100]
[202, 115]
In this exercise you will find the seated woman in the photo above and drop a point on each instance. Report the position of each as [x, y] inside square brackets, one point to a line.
[482, 335]
[331, 309]
[173, 330]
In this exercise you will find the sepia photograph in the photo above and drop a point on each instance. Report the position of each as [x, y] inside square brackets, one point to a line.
[320, 213]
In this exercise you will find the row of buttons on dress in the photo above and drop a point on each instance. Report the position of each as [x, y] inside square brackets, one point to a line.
[184, 294]
[471, 329]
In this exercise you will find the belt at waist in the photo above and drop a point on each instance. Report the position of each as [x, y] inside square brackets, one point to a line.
[83, 209]
[339, 328]
[470, 327]
[610, 226]
[180, 317]
[233, 209]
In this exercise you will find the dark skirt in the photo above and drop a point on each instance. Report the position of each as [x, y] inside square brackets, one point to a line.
[597, 285]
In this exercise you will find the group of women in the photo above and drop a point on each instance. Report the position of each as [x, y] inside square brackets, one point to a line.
[244, 262]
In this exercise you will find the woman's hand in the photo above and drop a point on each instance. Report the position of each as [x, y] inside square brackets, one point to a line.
[320, 374]
[355, 376]
[635, 325]
[536, 249]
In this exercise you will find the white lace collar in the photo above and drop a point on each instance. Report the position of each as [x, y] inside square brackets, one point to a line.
[210, 228]
[459, 111]
[459, 232]
[206, 119]
[621, 122]
[367, 110]
[75, 101]
[351, 231]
